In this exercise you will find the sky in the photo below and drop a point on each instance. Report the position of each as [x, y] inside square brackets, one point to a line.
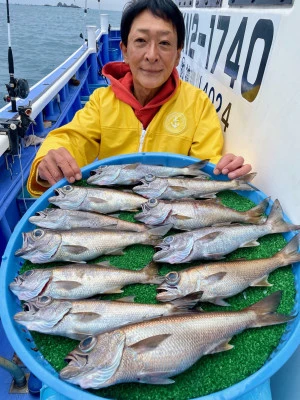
[104, 4]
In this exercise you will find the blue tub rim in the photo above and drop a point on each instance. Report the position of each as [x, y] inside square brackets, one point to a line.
[50, 377]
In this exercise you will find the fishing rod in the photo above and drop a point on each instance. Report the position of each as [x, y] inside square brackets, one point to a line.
[83, 34]
[16, 127]
[15, 87]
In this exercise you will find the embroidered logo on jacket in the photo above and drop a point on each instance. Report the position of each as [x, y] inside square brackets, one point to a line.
[175, 122]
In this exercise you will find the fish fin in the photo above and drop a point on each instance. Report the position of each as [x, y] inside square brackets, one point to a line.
[210, 279]
[105, 264]
[243, 182]
[116, 252]
[181, 217]
[290, 253]
[255, 214]
[208, 196]
[218, 301]
[187, 302]
[265, 311]
[85, 317]
[73, 249]
[95, 200]
[208, 238]
[225, 346]
[277, 222]
[262, 282]
[151, 272]
[221, 224]
[193, 169]
[66, 285]
[127, 299]
[149, 343]
[178, 188]
[114, 215]
[155, 380]
[131, 166]
[252, 243]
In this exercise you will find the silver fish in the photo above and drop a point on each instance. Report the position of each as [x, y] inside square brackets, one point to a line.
[99, 200]
[56, 218]
[214, 242]
[153, 351]
[130, 174]
[179, 188]
[79, 245]
[220, 280]
[193, 214]
[77, 281]
[78, 319]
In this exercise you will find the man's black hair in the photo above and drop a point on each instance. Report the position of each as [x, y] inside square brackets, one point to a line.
[165, 9]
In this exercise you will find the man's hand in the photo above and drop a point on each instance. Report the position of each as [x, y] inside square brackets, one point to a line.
[233, 166]
[58, 164]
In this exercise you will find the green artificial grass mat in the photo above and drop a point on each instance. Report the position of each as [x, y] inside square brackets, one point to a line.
[211, 373]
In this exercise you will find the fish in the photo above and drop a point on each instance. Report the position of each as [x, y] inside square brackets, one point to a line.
[195, 214]
[130, 174]
[153, 351]
[75, 281]
[182, 188]
[78, 319]
[56, 218]
[100, 200]
[213, 243]
[81, 245]
[220, 280]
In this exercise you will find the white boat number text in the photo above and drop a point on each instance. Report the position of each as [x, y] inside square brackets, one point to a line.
[231, 51]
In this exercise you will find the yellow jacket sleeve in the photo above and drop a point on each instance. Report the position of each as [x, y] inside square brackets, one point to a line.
[81, 137]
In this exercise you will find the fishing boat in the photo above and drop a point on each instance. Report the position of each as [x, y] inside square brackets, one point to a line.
[243, 54]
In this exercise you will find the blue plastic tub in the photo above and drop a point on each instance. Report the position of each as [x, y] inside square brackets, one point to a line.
[21, 339]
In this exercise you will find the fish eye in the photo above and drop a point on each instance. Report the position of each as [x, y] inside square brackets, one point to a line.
[87, 344]
[168, 239]
[152, 202]
[37, 233]
[44, 300]
[68, 188]
[172, 278]
[28, 273]
[149, 177]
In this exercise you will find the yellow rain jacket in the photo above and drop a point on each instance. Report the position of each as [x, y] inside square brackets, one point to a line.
[186, 124]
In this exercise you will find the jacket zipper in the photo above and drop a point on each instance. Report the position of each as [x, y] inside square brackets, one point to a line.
[142, 138]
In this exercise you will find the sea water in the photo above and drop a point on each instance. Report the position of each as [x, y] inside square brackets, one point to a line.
[42, 37]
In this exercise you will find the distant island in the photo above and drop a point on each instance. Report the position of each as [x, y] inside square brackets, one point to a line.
[60, 4]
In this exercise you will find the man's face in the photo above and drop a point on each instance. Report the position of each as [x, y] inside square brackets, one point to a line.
[151, 52]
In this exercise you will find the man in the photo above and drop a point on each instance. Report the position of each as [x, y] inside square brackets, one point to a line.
[146, 108]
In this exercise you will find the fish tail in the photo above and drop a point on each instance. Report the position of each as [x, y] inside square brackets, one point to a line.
[151, 272]
[265, 311]
[277, 222]
[255, 214]
[154, 235]
[290, 253]
[243, 182]
[193, 169]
